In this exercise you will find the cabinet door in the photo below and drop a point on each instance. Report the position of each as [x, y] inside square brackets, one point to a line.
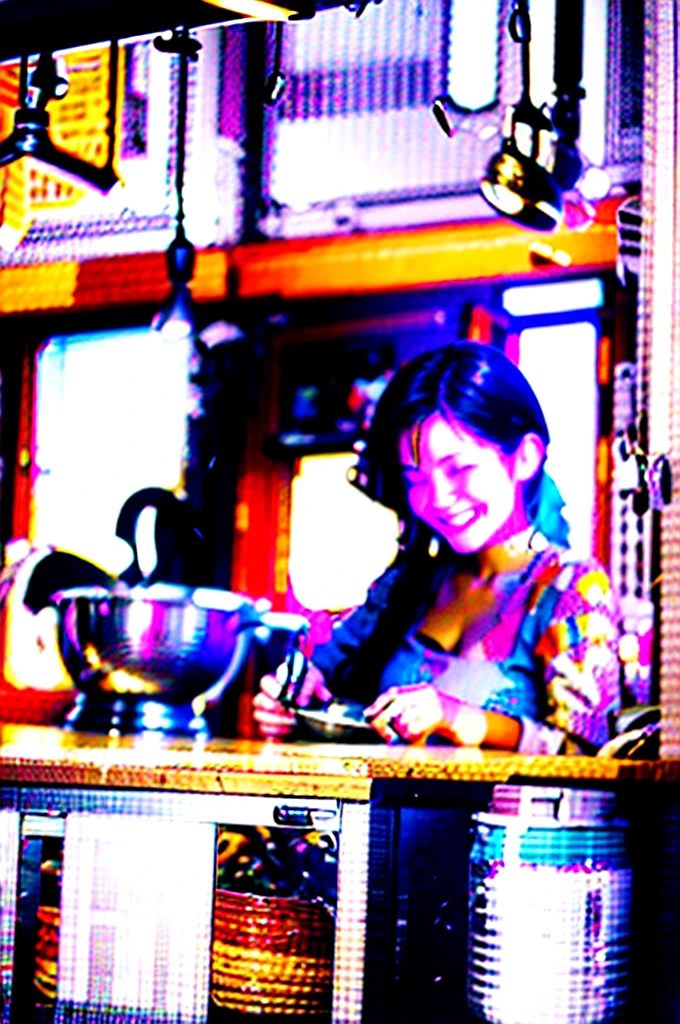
[136, 910]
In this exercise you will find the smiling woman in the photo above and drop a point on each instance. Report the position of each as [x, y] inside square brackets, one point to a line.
[486, 630]
[463, 486]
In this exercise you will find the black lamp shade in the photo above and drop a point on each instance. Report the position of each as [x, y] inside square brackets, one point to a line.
[522, 189]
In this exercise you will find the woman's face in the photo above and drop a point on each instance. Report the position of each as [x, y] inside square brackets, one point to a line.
[465, 487]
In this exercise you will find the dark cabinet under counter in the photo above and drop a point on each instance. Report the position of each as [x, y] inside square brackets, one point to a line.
[417, 944]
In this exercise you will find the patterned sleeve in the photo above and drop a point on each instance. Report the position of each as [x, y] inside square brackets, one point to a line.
[578, 647]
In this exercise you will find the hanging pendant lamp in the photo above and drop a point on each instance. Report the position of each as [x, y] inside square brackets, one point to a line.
[30, 135]
[176, 317]
[539, 158]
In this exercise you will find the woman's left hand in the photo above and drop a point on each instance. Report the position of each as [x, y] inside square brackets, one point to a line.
[412, 713]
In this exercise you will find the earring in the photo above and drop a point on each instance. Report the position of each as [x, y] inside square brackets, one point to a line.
[433, 546]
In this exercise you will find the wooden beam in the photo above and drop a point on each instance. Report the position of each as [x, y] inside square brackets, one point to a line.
[301, 268]
[107, 283]
[386, 261]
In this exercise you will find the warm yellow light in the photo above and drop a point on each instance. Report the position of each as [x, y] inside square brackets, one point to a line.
[255, 9]
[121, 681]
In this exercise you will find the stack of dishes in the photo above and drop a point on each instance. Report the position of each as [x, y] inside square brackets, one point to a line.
[271, 954]
[549, 908]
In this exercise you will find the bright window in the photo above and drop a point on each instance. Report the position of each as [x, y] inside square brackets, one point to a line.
[473, 46]
[340, 540]
[554, 297]
[355, 119]
[560, 364]
[111, 419]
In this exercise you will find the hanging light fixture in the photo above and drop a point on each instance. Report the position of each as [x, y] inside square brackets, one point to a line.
[30, 136]
[176, 317]
[539, 159]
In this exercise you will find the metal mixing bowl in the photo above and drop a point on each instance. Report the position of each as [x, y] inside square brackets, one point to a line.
[165, 641]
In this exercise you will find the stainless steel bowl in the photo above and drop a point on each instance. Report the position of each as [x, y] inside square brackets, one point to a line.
[165, 641]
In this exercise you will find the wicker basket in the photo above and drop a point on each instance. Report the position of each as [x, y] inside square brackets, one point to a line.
[271, 954]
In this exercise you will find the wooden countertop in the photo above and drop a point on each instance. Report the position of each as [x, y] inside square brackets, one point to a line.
[47, 755]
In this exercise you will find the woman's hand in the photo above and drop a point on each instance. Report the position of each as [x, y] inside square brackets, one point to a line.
[275, 721]
[413, 713]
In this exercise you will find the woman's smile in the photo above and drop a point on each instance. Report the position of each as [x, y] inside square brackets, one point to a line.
[459, 517]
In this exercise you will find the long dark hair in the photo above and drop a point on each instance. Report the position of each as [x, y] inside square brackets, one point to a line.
[478, 386]
[473, 383]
